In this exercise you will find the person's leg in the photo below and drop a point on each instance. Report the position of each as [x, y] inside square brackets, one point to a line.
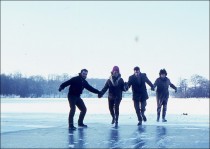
[137, 109]
[72, 105]
[143, 109]
[164, 110]
[81, 106]
[111, 109]
[116, 107]
[159, 105]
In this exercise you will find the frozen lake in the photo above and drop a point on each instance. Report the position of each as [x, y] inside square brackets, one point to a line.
[42, 123]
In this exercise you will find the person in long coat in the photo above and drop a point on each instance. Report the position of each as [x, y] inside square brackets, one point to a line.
[162, 94]
[138, 82]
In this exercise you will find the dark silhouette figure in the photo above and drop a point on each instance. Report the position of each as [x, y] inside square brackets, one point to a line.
[116, 86]
[77, 84]
[138, 82]
[162, 94]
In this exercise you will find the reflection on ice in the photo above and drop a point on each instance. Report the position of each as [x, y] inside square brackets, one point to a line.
[161, 136]
[114, 138]
[139, 142]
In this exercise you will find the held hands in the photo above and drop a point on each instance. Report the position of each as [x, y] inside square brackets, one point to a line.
[126, 86]
[100, 94]
[152, 88]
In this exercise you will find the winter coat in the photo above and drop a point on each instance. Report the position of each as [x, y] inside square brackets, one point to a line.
[77, 85]
[162, 85]
[139, 87]
[115, 86]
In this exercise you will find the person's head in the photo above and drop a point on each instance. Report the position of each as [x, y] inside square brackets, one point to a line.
[115, 71]
[136, 70]
[163, 73]
[84, 73]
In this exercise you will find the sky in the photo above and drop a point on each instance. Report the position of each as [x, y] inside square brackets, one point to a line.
[56, 37]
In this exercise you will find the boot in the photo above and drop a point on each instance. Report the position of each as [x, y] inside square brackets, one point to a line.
[139, 119]
[158, 117]
[163, 116]
[140, 123]
[113, 120]
[81, 124]
[116, 124]
[71, 127]
[144, 118]
[164, 120]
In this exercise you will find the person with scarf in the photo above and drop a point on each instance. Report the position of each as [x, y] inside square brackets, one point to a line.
[116, 86]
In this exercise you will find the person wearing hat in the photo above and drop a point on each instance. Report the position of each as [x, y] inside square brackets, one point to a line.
[77, 84]
[116, 85]
[138, 82]
[162, 94]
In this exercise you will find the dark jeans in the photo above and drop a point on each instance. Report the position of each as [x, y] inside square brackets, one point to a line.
[140, 107]
[160, 103]
[73, 102]
[114, 105]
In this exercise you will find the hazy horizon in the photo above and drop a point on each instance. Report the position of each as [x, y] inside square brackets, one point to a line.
[76, 74]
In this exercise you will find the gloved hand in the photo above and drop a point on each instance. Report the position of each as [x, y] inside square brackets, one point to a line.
[126, 86]
[175, 90]
[60, 89]
[100, 94]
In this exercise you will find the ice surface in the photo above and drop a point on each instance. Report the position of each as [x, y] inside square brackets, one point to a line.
[100, 106]
[42, 123]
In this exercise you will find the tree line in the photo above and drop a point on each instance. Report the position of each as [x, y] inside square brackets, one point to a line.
[16, 85]
[195, 87]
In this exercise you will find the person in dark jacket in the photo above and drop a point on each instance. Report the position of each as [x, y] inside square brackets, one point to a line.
[138, 82]
[162, 94]
[77, 84]
[116, 85]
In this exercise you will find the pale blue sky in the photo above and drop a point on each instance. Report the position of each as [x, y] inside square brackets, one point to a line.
[52, 37]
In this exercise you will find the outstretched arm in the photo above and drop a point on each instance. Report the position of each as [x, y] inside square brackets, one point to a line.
[123, 85]
[149, 82]
[65, 84]
[91, 89]
[155, 84]
[173, 86]
[129, 83]
[106, 86]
